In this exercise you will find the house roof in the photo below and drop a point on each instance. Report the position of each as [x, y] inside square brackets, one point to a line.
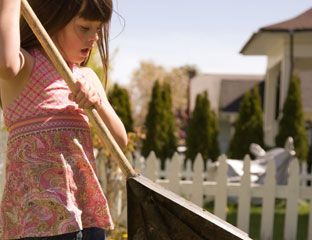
[233, 90]
[260, 42]
[299, 23]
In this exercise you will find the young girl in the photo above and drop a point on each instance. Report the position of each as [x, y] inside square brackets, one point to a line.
[51, 190]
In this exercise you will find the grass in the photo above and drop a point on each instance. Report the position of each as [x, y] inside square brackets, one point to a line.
[120, 233]
[279, 216]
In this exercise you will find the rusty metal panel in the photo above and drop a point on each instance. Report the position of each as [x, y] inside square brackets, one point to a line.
[155, 213]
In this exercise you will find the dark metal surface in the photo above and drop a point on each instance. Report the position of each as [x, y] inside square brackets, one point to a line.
[155, 213]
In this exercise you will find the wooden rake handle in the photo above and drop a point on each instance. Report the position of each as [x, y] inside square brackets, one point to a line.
[61, 66]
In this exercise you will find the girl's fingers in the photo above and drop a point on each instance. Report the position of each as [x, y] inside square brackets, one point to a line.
[85, 96]
[71, 96]
[83, 104]
[79, 97]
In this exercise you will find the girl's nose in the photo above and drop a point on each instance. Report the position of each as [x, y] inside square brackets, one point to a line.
[94, 37]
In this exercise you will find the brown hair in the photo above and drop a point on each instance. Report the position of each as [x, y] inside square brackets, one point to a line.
[56, 14]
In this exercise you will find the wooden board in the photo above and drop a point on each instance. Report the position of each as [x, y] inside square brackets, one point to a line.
[155, 213]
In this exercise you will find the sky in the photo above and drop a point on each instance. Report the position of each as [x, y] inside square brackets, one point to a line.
[207, 34]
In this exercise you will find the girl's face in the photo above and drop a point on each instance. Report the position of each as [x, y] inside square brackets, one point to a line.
[76, 40]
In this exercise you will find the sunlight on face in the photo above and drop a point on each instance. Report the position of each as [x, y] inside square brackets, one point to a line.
[86, 29]
[76, 40]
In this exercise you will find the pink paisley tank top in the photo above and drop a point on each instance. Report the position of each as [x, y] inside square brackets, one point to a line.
[50, 186]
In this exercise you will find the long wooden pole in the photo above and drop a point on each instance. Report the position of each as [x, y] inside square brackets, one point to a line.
[66, 73]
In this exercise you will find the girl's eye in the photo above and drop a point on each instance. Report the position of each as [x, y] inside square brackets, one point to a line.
[84, 29]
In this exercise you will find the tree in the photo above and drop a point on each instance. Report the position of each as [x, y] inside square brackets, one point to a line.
[159, 124]
[292, 121]
[169, 123]
[190, 70]
[179, 80]
[143, 79]
[140, 88]
[214, 150]
[202, 132]
[119, 99]
[249, 125]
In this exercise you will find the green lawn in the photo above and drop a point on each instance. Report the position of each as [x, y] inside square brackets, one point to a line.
[255, 219]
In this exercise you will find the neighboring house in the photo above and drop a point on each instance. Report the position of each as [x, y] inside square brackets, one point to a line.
[288, 48]
[225, 93]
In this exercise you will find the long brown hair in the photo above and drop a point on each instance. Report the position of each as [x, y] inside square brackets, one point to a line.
[56, 14]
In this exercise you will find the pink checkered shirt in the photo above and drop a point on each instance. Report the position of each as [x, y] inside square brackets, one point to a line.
[51, 187]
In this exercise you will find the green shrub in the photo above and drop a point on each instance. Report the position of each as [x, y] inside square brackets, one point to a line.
[248, 126]
[202, 132]
[119, 99]
[292, 121]
[160, 124]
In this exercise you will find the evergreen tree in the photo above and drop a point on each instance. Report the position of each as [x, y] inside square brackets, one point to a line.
[169, 123]
[292, 122]
[249, 125]
[214, 150]
[119, 99]
[159, 123]
[202, 132]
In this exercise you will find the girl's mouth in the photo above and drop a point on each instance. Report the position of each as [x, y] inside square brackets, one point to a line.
[85, 51]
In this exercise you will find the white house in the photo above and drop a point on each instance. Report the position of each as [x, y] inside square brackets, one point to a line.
[288, 48]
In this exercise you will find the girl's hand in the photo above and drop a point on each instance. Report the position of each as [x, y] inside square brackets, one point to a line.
[85, 95]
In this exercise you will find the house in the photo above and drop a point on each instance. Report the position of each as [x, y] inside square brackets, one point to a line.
[288, 48]
[225, 92]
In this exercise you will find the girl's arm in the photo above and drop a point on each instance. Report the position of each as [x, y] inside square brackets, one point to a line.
[91, 92]
[11, 59]
[112, 121]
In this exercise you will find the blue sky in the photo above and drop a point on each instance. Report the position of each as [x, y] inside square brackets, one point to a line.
[205, 33]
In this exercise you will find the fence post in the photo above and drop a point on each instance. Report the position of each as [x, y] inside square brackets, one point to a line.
[188, 170]
[244, 198]
[291, 217]
[221, 192]
[150, 170]
[268, 202]
[138, 163]
[172, 173]
[197, 194]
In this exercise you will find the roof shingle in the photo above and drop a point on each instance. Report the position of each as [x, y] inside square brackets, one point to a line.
[300, 23]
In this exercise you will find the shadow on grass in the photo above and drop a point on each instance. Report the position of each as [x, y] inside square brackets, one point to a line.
[279, 218]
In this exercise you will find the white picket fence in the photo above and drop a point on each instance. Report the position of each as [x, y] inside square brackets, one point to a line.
[193, 185]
